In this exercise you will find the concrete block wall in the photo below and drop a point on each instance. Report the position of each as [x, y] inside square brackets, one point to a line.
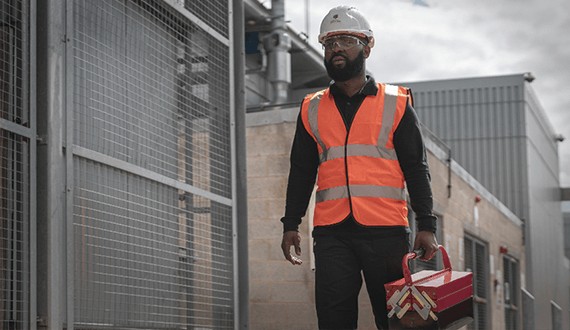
[282, 295]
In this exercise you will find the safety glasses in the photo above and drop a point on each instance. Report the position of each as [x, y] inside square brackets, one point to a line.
[341, 43]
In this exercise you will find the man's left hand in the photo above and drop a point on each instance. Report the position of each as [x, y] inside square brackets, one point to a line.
[426, 240]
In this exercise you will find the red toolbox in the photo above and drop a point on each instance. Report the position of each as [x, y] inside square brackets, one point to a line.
[430, 299]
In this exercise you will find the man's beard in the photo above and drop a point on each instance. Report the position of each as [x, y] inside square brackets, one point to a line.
[350, 70]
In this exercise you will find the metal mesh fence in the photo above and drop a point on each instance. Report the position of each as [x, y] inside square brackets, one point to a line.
[14, 228]
[152, 167]
[214, 12]
[145, 80]
[12, 31]
[14, 167]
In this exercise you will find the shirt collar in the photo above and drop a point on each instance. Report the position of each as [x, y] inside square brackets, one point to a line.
[369, 88]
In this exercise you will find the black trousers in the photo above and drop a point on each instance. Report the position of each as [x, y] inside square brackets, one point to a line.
[340, 263]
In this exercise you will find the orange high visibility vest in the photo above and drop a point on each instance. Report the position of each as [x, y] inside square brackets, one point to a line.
[359, 170]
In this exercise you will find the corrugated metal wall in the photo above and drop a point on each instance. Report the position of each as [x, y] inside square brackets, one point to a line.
[483, 124]
[17, 161]
[152, 206]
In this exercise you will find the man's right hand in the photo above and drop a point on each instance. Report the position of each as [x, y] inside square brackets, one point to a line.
[291, 238]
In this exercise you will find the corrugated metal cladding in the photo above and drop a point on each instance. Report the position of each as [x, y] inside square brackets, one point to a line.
[483, 124]
[15, 166]
[152, 166]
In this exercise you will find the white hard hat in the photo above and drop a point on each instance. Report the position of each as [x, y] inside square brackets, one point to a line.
[346, 20]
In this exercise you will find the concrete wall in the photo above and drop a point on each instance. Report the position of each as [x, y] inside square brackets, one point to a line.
[282, 295]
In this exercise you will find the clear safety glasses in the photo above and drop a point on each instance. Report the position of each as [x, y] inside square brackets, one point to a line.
[341, 43]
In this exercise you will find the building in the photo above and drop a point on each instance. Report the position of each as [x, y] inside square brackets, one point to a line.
[498, 131]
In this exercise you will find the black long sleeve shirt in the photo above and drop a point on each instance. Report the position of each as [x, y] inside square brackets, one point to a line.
[409, 147]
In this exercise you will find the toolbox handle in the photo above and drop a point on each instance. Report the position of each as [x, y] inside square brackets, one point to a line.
[419, 253]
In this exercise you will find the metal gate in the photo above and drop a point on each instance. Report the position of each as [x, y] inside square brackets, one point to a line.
[17, 162]
[152, 164]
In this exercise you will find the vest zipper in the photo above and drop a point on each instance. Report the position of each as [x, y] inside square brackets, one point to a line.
[346, 156]
[346, 169]
[348, 127]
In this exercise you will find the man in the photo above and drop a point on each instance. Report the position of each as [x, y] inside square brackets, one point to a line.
[363, 140]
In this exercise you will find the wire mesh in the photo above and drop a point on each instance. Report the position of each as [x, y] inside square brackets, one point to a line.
[151, 89]
[144, 258]
[215, 12]
[14, 231]
[12, 31]
[145, 79]
[14, 169]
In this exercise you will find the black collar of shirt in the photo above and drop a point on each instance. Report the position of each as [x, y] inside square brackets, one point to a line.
[369, 88]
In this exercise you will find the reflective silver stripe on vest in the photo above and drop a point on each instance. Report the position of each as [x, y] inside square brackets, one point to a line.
[360, 150]
[361, 191]
[331, 194]
[314, 120]
[390, 98]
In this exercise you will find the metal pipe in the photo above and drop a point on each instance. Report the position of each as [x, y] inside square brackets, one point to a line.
[307, 19]
[240, 165]
[277, 44]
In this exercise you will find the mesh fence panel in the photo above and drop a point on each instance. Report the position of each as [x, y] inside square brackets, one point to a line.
[12, 29]
[14, 231]
[137, 264]
[14, 168]
[151, 91]
[214, 12]
[146, 78]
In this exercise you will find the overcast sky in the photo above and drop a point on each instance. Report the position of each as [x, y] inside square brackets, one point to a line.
[463, 38]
